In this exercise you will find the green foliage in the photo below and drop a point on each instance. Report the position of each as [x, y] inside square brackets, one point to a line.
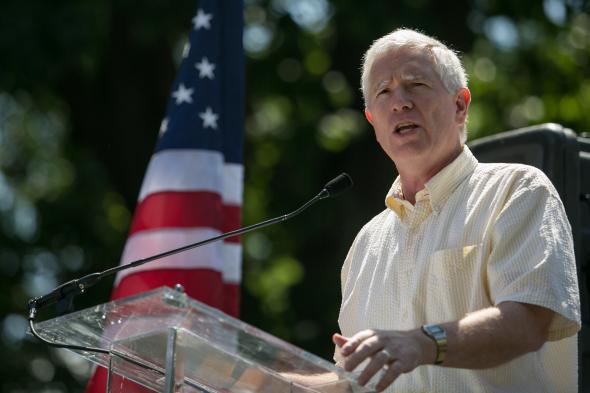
[83, 89]
[59, 219]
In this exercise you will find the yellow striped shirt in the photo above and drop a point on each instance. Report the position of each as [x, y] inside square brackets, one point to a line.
[478, 235]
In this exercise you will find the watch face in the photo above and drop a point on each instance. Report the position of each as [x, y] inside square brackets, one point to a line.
[436, 329]
[437, 333]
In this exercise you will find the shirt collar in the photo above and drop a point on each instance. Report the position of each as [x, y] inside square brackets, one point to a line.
[438, 188]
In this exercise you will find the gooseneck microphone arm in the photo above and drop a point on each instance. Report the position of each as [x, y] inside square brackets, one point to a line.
[75, 287]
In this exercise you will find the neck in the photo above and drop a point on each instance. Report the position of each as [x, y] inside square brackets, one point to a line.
[414, 177]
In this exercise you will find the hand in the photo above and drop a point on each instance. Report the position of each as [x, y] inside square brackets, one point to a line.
[329, 382]
[399, 351]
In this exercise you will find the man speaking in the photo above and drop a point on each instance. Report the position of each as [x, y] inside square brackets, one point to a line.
[466, 282]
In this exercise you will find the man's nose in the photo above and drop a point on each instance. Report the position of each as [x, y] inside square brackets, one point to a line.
[401, 101]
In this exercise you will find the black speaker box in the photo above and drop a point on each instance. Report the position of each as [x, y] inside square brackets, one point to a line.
[565, 158]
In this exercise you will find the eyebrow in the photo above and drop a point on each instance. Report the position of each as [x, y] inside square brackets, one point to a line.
[412, 75]
[406, 76]
[384, 82]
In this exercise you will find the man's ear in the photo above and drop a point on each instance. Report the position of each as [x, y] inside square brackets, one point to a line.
[462, 102]
[369, 116]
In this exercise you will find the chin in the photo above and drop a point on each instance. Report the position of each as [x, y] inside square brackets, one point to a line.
[408, 152]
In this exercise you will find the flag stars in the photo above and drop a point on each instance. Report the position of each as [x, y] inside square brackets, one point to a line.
[205, 68]
[209, 118]
[202, 19]
[182, 94]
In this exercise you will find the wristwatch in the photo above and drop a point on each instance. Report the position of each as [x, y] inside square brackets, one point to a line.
[438, 335]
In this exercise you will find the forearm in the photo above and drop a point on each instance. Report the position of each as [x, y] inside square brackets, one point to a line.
[482, 339]
[495, 335]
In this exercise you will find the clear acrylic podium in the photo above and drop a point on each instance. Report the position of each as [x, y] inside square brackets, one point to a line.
[168, 342]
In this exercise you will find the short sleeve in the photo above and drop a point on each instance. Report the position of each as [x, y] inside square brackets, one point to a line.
[532, 256]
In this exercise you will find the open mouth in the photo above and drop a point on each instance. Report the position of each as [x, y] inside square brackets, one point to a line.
[405, 127]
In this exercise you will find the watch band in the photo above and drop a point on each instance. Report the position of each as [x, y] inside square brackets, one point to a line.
[438, 335]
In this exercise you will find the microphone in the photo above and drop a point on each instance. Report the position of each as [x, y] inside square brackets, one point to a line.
[72, 288]
[342, 182]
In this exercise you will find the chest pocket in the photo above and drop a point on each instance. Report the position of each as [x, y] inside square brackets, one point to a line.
[456, 282]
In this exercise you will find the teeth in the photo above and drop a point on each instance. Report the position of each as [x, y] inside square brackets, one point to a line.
[404, 127]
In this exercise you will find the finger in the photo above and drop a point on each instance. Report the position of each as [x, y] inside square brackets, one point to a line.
[393, 371]
[367, 348]
[339, 340]
[355, 341]
[378, 361]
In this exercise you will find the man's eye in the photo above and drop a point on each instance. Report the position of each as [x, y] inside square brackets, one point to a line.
[418, 84]
[383, 91]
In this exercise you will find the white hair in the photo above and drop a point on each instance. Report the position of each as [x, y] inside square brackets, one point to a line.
[445, 61]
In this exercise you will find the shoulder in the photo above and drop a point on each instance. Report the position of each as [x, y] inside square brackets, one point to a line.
[506, 170]
[377, 223]
[515, 177]
[372, 229]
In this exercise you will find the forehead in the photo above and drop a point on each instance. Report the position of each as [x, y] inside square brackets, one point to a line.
[403, 64]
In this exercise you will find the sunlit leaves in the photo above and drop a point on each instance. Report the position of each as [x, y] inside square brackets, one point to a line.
[337, 130]
[32, 167]
[56, 220]
[534, 76]
[272, 280]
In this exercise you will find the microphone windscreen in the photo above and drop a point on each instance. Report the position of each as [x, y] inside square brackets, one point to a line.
[338, 185]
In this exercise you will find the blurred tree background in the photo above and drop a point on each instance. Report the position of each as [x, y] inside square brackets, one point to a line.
[83, 89]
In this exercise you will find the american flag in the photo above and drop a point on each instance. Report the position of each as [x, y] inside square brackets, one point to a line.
[192, 189]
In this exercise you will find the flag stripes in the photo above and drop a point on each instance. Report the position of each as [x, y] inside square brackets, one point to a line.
[223, 257]
[185, 210]
[194, 170]
[193, 186]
